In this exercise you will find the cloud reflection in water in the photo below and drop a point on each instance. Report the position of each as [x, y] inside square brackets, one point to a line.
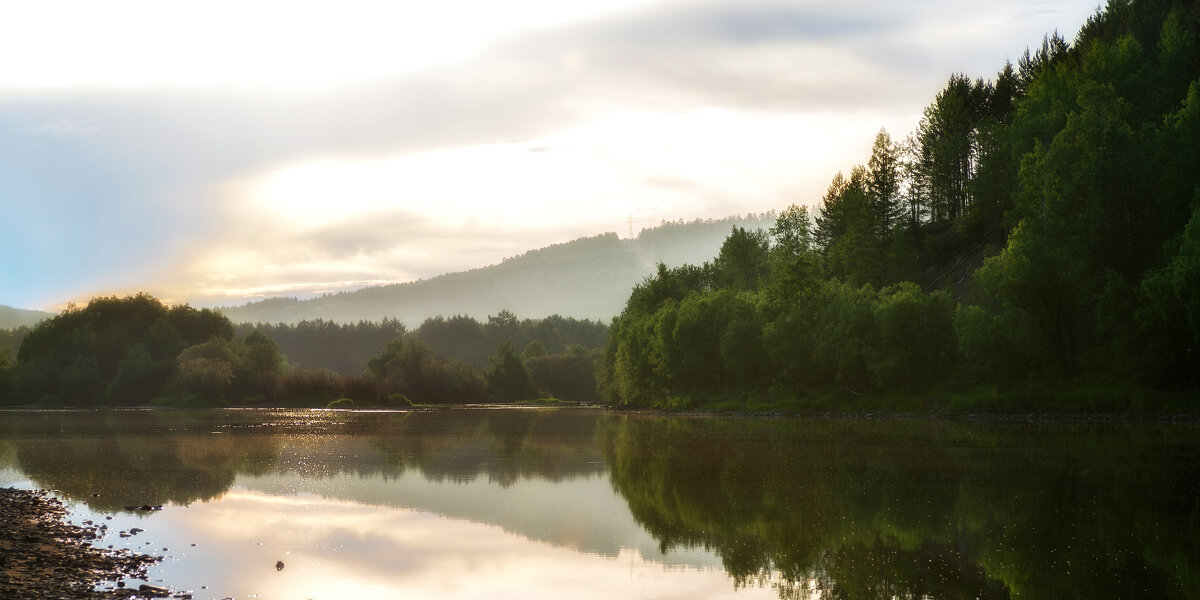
[336, 548]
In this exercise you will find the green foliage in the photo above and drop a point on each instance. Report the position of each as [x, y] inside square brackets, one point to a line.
[916, 344]
[883, 185]
[459, 336]
[258, 366]
[114, 351]
[463, 338]
[208, 379]
[845, 330]
[948, 138]
[8, 377]
[344, 348]
[309, 387]
[533, 349]
[993, 346]
[794, 264]
[845, 228]
[743, 355]
[140, 377]
[569, 376]
[1063, 186]
[507, 378]
[742, 261]
[409, 367]
[1163, 342]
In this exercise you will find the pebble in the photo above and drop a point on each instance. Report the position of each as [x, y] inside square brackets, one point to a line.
[48, 557]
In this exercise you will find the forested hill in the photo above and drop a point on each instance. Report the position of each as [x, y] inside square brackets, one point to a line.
[584, 278]
[11, 318]
[1035, 245]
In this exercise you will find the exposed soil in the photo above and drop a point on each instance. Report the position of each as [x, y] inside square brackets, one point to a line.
[42, 556]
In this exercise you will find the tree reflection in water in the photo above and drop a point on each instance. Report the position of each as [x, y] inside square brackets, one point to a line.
[814, 507]
[863, 509]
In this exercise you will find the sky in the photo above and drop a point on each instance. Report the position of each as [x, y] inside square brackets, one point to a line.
[224, 151]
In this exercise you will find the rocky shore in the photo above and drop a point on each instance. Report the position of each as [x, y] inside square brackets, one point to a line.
[44, 556]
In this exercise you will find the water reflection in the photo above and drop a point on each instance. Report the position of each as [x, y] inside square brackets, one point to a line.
[856, 509]
[541, 503]
[339, 549]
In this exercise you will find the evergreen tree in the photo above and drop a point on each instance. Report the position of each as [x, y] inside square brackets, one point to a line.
[883, 185]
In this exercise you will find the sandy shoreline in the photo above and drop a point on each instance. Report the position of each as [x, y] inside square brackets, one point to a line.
[44, 556]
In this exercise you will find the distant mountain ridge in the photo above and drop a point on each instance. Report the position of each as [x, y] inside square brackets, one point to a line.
[11, 318]
[588, 277]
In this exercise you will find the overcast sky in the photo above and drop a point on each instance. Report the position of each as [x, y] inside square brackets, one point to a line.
[220, 151]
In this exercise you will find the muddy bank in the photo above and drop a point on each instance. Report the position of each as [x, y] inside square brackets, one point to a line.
[44, 556]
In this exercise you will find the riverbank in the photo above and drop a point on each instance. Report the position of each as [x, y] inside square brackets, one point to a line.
[740, 411]
[44, 556]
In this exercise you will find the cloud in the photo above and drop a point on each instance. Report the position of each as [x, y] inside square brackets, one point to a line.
[700, 108]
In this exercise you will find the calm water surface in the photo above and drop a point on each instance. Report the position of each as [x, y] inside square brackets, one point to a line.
[520, 503]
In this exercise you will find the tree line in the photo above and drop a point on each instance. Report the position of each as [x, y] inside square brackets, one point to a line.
[136, 351]
[1035, 242]
[1061, 195]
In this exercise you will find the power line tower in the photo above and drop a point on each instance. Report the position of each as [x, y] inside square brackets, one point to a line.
[631, 226]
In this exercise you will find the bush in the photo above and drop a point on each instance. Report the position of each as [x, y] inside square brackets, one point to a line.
[408, 366]
[204, 377]
[309, 387]
[507, 378]
[362, 390]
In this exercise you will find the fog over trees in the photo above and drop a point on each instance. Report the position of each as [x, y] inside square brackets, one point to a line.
[587, 278]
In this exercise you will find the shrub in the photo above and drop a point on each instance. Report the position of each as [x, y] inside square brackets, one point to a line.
[309, 387]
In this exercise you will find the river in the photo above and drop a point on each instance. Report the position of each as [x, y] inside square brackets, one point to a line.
[580, 503]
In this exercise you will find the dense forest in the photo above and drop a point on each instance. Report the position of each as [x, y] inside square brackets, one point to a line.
[1071, 177]
[588, 278]
[136, 351]
[346, 348]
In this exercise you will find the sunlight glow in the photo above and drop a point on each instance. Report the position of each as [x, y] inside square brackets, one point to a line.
[338, 223]
[595, 172]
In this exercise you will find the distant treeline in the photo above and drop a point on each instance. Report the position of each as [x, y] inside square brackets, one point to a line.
[137, 351]
[321, 344]
[1072, 178]
[346, 348]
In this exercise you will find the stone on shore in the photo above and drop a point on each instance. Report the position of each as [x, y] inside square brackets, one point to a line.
[44, 556]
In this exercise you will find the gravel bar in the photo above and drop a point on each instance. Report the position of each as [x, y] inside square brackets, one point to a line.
[42, 555]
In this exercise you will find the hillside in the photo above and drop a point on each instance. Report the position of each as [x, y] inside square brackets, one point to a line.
[585, 278]
[1036, 246]
[11, 318]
